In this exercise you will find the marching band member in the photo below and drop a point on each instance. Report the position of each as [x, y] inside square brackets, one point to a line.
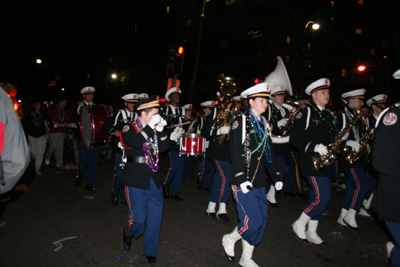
[252, 155]
[386, 160]
[189, 161]
[357, 179]
[177, 165]
[218, 153]
[113, 126]
[275, 115]
[207, 171]
[238, 103]
[312, 131]
[143, 140]
[87, 157]
[143, 96]
[378, 104]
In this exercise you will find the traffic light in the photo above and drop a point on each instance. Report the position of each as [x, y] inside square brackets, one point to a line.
[179, 56]
[171, 61]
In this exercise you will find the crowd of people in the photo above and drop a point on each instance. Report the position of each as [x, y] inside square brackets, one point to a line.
[250, 146]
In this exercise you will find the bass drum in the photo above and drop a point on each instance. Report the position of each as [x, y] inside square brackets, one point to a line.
[92, 119]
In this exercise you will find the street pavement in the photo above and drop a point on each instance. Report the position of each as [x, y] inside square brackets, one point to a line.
[51, 223]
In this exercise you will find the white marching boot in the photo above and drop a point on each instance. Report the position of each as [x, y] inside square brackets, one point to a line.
[228, 244]
[343, 213]
[299, 228]
[247, 254]
[312, 235]
[271, 198]
[350, 220]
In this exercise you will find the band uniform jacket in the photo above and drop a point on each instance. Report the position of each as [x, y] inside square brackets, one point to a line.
[386, 160]
[216, 150]
[274, 115]
[355, 134]
[117, 122]
[238, 163]
[172, 115]
[76, 117]
[309, 130]
[138, 175]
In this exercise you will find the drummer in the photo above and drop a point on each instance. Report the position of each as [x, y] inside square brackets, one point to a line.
[173, 114]
[113, 126]
[87, 157]
[189, 161]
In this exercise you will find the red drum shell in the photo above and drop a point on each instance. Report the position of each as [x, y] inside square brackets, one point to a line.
[192, 145]
[91, 121]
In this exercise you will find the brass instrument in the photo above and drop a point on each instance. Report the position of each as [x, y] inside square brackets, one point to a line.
[228, 88]
[353, 156]
[291, 116]
[335, 147]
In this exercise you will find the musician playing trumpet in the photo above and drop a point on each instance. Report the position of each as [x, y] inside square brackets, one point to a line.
[357, 179]
[312, 131]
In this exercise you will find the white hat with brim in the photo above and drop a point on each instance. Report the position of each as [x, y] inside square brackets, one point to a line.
[187, 106]
[131, 97]
[321, 84]
[396, 74]
[208, 104]
[277, 90]
[378, 99]
[87, 90]
[143, 96]
[358, 93]
[261, 90]
[171, 91]
[237, 98]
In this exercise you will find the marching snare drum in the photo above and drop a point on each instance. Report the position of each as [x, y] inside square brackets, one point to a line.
[92, 119]
[192, 145]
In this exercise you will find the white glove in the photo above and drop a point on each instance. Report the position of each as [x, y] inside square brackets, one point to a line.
[354, 145]
[321, 149]
[154, 120]
[176, 134]
[244, 186]
[345, 136]
[282, 122]
[278, 186]
[160, 125]
[223, 130]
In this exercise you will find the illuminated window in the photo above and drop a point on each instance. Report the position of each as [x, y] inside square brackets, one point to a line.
[287, 58]
[168, 9]
[308, 63]
[372, 51]
[332, 3]
[208, 1]
[359, 31]
[384, 56]
[288, 39]
[332, 19]
[360, 2]
[188, 22]
[344, 73]
[308, 46]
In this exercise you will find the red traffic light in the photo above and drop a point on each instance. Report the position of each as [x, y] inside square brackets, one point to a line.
[257, 81]
[180, 50]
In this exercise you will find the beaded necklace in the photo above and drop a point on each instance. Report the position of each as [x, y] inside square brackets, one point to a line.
[262, 133]
[332, 123]
[150, 148]
[37, 119]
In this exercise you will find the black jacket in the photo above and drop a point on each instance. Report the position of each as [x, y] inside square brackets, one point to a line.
[268, 163]
[138, 174]
[172, 115]
[273, 115]
[386, 160]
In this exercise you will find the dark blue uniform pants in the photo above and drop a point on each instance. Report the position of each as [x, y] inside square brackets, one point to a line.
[221, 191]
[117, 179]
[394, 229]
[189, 167]
[282, 166]
[252, 213]
[145, 214]
[357, 189]
[175, 173]
[207, 172]
[88, 158]
[294, 181]
[320, 195]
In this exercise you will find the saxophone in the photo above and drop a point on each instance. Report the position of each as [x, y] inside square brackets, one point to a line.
[335, 147]
[353, 156]
[291, 116]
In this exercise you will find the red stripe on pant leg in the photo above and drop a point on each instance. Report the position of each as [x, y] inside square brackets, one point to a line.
[316, 192]
[112, 187]
[246, 225]
[130, 221]
[221, 192]
[357, 189]
[170, 167]
[202, 169]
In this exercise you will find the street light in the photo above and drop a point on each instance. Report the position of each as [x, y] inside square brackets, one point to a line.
[364, 67]
[315, 26]
[114, 76]
[38, 61]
